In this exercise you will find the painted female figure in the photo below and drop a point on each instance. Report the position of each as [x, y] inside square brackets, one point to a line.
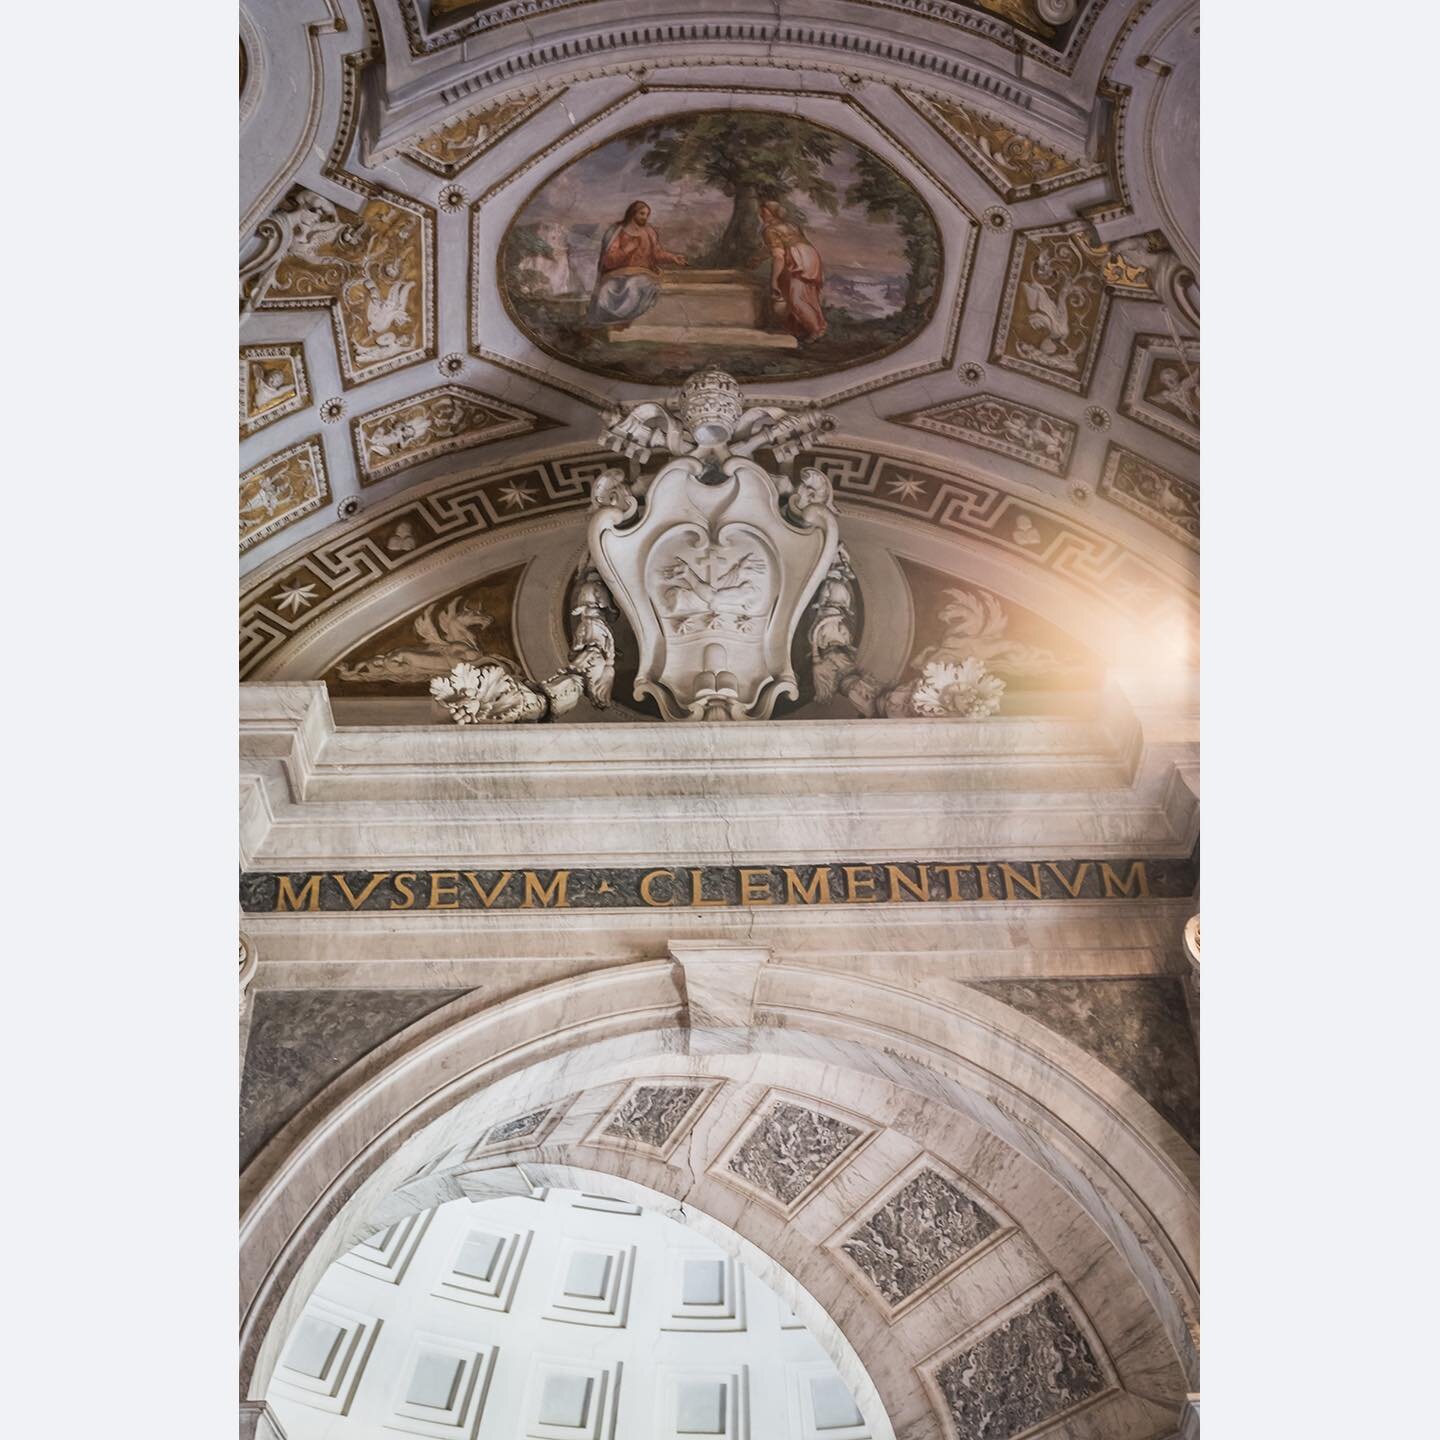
[797, 276]
[627, 282]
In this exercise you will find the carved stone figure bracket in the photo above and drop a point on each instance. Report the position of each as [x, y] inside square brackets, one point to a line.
[713, 559]
[493, 695]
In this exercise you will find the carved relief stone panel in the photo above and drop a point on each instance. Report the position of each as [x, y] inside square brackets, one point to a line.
[917, 1234]
[786, 1153]
[654, 1116]
[1030, 1369]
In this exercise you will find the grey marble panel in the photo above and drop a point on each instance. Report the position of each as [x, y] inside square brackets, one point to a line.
[1035, 1366]
[653, 1113]
[1139, 1028]
[300, 1040]
[923, 1228]
[790, 1149]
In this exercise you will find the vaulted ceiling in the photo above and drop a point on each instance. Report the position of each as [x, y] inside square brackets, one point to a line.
[1004, 194]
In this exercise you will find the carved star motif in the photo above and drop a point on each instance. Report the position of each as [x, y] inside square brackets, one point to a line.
[294, 598]
[907, 489]
[516, 496]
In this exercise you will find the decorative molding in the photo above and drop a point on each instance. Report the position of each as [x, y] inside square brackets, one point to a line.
[1157, 496]
[436, 422]
[1014, 24]
[273, 384]
[527, 1131]
[1162, 387]
[279, 491]
[1007, 427]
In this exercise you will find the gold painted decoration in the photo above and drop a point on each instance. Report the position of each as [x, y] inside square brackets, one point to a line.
[1023, 13]
[278, 491]
[439, 422]
[372, 267]
[1004, 426]
[1054, 307]
[1158, 497]
[1162, 387]
[1013, 164]
[273, 384]
[446, 151]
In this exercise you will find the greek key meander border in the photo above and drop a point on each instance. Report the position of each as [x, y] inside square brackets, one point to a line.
[956, 17]
[348, 563]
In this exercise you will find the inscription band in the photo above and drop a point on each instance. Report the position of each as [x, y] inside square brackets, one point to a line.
[681, 887]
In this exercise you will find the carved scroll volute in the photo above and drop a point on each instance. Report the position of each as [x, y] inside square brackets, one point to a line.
[713, 578]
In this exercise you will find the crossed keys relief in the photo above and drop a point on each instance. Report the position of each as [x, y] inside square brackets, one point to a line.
[719, 590]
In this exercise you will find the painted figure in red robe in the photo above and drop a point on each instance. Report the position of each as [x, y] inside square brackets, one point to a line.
[797, 275]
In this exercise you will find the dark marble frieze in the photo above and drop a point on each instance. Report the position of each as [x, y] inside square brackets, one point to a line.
[706, 886]
[919, 1232]
[1028, 1370]
[790, 1149]
[1139, 1028]
[301, 1040]
[653, 1113]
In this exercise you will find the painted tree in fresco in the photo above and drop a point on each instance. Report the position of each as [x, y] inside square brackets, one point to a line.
[886, 196]
[749, 157]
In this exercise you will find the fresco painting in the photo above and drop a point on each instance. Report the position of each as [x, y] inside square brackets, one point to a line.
[763, 243]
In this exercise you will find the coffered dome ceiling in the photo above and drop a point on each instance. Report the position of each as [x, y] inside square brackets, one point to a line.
[999, 204]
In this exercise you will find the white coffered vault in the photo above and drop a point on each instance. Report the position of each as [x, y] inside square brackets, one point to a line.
[767, 1014]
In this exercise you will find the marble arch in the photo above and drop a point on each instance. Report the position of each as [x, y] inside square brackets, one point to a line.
[954, 1076]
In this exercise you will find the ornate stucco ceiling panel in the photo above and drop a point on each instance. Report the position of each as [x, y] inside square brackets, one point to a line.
[373, 268]
[1017, 165]
[992, 422]
[1162, 387]
[273, 384]
[1052, 314]
[449, 148]
[1166, 501]
[438, 422]
[279, 491]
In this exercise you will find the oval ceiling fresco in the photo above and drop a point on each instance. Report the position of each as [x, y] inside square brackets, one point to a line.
[762, 243]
